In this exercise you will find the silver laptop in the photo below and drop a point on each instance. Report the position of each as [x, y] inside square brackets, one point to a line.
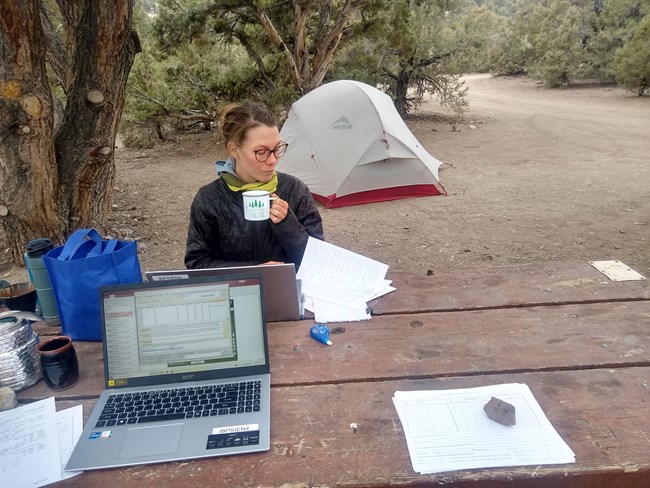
[282, 292]
[186, 369]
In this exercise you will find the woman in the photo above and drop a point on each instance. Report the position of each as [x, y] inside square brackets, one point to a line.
[218, 234]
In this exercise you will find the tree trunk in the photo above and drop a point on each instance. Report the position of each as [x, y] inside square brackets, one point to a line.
[52, 184]
[28, 171]
[402, 83]
[102, 58]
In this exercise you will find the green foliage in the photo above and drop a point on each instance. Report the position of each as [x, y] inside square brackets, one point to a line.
[556, 44]
[419, 48]
[510, 54]
[200, 54]
[483, 29]
[543, 40]
[290, 48]
[559, 41]
[632, 61]
[186, 87]
[614, 27]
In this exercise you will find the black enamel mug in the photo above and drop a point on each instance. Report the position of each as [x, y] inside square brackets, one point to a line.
[58, 362]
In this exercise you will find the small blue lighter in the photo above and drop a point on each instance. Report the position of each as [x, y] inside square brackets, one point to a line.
[321, 333]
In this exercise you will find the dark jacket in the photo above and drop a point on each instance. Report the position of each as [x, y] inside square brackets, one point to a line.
[219, 236]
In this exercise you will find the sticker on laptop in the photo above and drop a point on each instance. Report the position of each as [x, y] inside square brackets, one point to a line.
[104, 434]
[235, 428]
[170, 277]
[234, 436]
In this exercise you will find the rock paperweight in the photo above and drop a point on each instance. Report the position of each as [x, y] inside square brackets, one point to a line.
[500, 411]
[7, 398]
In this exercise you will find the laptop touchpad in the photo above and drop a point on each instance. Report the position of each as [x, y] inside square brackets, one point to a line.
[151, 441]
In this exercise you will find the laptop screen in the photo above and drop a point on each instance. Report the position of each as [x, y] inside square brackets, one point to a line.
[182, 330]
[282, 292]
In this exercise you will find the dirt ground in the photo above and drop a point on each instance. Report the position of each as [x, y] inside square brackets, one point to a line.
[532, 175]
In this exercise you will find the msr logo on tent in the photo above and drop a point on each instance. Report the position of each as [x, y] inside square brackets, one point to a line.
[342, 124]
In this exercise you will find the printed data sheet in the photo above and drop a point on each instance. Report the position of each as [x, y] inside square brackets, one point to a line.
[448, 430]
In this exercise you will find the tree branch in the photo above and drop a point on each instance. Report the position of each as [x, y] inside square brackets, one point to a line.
[437, 58]
[55, 53]
[255, 56]
[278, 42]
[330, 37]
[389, 73]
[167, 112]
[144, 96]
[301, 54]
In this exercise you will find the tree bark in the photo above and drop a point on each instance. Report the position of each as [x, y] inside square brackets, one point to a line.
[329, 37]
[28, 171]
[55, 50]
[103, 54]
[306, 70]
[53, 183]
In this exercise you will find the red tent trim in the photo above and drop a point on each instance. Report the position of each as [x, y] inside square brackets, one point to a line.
[381, 195]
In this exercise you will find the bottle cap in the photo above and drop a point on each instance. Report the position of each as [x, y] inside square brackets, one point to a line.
[38, 247]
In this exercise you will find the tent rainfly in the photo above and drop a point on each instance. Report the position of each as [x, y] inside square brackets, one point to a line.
[350, 146]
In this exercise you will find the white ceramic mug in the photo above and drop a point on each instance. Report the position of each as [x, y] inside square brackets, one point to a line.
[257, 204]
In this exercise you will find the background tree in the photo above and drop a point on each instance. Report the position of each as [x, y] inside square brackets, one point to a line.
[200, 54]
[182, 90]
[291, 43]
[56, 179]
[422, 48]
[544, 40]
[614, 24]
[557, 40]
[560, 42]
[632, 61]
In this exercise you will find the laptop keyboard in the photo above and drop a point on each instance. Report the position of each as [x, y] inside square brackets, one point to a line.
[180, 403]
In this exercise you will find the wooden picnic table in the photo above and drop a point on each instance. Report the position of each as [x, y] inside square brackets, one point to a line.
[579, 341]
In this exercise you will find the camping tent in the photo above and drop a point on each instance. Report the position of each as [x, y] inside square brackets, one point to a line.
[350, 146]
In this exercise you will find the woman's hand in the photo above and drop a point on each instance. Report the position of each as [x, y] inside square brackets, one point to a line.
[279, 209]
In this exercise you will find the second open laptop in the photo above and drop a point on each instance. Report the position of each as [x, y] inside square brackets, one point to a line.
[282, 293]
[187, 375]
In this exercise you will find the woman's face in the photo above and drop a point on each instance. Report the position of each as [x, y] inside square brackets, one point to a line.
[248, 168]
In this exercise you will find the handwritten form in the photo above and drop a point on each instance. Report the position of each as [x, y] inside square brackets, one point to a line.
[31, 453]
[339, 283]
[448, 430]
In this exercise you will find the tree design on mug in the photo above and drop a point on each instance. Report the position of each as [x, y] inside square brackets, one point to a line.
[255, 204]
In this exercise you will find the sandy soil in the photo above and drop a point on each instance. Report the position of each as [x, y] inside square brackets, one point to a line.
[532, 175]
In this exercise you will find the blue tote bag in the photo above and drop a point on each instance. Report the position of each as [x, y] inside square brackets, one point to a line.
[78, 268]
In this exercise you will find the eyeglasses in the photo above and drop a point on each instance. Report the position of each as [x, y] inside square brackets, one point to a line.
[263, 154]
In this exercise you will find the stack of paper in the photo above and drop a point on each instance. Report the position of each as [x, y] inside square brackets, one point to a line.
[36, 442]
[338, 284]
[448, 430]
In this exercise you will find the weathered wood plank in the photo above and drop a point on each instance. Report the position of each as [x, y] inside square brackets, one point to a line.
[465, 343]
[435, 345]
[601, 414]
[497, 286]
[506, 286]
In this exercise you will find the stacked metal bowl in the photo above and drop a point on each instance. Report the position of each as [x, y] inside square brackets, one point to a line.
[20, 365]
